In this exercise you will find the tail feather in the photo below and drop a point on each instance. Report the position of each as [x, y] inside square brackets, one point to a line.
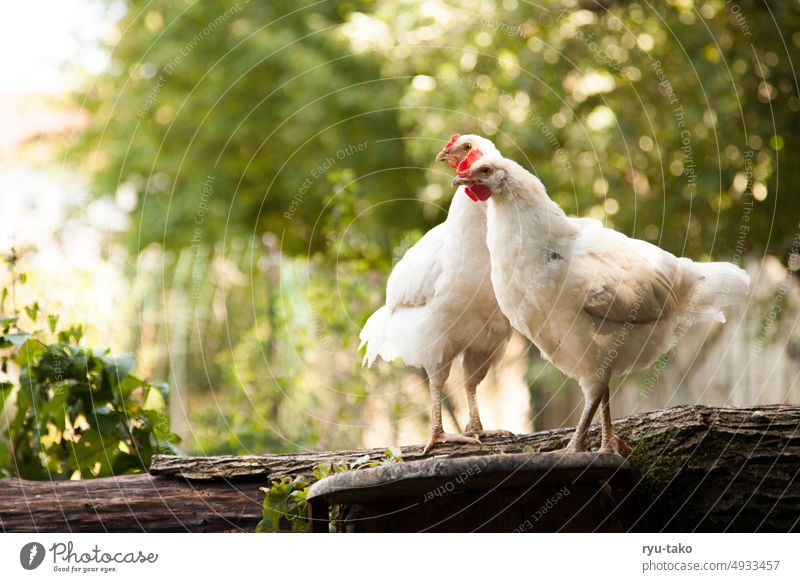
[374, 337]
[718, 285]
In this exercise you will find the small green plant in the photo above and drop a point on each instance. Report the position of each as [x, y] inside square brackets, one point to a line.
[67, 411]
[285, 507]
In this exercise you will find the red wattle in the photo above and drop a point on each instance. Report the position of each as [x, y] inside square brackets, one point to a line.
[481, 192]
[453, 165]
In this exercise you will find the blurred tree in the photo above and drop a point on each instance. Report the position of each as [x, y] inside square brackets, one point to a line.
[220, 118]
[315, 124]
[667, 120]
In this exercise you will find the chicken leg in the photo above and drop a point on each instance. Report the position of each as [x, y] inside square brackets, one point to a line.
[476, 366]
[610, 442]
[597, 395]
[592, 394]
[436, 381]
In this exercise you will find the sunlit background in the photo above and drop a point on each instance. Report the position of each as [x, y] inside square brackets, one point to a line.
[222, 188]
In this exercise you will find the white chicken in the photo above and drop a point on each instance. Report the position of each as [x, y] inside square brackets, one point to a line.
[440, 304]
[594, 301]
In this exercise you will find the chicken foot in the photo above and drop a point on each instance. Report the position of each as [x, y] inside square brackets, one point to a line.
[577, 444]
[475, 427]
[436, 381]
[610, 442]
[475, 369]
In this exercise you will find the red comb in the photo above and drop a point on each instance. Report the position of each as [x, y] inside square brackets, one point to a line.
[465, 164]
[453, 139]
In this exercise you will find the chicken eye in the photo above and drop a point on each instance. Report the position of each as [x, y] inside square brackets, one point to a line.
[486, 171]
[467, 146]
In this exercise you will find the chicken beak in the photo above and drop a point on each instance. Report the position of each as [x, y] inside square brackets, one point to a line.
[461, 181]
[442, 155]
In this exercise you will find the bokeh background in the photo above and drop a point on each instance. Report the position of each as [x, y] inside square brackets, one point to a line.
[222, 187]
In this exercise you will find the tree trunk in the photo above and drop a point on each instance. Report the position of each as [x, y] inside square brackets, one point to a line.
[133, 503]
[695, 469]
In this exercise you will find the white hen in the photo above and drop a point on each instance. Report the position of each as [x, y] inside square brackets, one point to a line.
[440, 304]
[594, 301]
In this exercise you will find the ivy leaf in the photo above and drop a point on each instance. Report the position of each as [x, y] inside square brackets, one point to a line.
[362, 460]
[321, 470]
[30, 352]
[393, 455]
[155, 400]
[119, 367]
[17, 339]
[33, 310]
[163, 388]
[52, 322]
[300, 482]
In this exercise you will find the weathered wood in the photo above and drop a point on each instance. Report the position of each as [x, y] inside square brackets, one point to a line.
[728, 469]
[695, 469]
[582, 492]
[134, 503]
[417, 479]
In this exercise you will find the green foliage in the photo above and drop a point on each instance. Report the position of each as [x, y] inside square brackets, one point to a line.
[260, 96]
[276, 372]
[285, 507]
[258, 99]
[231, 124]
[71, 412]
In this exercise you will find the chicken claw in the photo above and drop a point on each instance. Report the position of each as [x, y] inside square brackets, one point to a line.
[441, 437]
[480, 433]
[616, 446]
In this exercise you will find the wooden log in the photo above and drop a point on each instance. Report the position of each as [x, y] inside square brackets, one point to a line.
[133, 503]
[581, 492]
[695, 469]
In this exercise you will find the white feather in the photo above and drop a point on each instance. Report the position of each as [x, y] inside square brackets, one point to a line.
[439, 298]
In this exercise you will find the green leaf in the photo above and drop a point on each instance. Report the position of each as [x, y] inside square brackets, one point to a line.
[126, 463]
[8, 320]
[155, 400]
[363, 460]
[109, 422]
[17, 339]
[72, 335]
[129, 384]
[321, 470]
[163, 388]
[33, 310]
[52, 322]
[30, 352]
[300, 482]
[63, 383]
[118, 367]
[393, 455]
[6, 390]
